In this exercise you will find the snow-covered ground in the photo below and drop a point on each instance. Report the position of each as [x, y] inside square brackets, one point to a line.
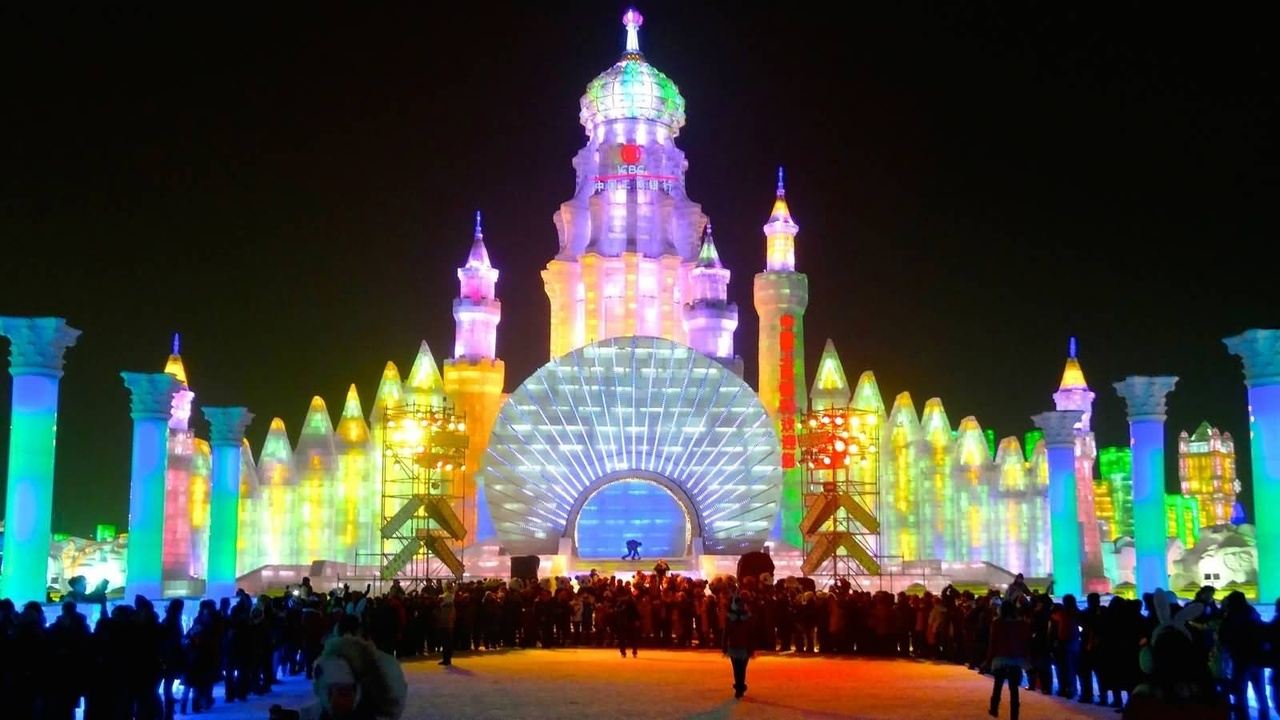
[510, 685]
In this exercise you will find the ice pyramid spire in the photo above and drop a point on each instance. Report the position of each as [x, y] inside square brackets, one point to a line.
[934, 423]
[866, 396]
[424, 385]
[315, 448]
[971, 443]
[174, 365]
[276, 458]
[1072, 374]
[352, 429]
[830, 385]
[390, 394]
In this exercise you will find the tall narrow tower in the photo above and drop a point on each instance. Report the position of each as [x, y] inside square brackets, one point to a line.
[709, 317]
[629, 236]
[1074, 394]
[781, 296]
[179, 548]
[474, 377]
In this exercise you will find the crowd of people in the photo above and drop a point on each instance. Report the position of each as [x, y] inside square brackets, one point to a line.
[129, 662]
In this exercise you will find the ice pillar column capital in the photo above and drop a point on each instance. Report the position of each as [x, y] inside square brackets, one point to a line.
[1064, 517]
[1145, 398]
[1260, 351]
[226, 435]
[151, 399]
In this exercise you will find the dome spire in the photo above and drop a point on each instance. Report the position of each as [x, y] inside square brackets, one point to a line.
[780, 231]
[479, 255]
[1072, 374]
[707, 255]
[632, 20]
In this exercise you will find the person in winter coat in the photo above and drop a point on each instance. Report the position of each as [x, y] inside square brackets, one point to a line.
[446, 616]
[1007, 652]
[1244, 637]
[739, 642]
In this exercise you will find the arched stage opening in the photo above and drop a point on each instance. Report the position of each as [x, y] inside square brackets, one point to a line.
[633, 506]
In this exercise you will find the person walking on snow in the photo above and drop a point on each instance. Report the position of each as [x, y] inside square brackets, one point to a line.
[739, 642]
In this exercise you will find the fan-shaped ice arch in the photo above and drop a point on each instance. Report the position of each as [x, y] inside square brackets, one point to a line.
[633, 407]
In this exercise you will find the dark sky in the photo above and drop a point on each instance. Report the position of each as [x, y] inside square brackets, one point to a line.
[292, 186]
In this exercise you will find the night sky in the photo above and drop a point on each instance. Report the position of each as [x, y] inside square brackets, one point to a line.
[292, 186]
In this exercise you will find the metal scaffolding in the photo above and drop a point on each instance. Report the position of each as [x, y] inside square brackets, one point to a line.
[423, 463]
[839, 452]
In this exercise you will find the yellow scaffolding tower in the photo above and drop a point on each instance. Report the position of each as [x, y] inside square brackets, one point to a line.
[839, 452]
[423, 463]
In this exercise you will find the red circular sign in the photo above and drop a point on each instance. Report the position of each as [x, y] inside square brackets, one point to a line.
[630, 154]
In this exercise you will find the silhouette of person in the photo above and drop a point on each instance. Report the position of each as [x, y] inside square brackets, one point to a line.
[633, 550]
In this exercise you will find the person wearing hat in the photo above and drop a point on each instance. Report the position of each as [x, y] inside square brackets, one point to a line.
[739, 642]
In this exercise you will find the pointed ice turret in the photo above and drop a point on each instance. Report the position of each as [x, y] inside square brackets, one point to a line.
[903, 418]
[315, 460]
[866, 396]
[972, 451]
[279, 497]
[1073, 392]
[390, 394]
[708, 257]
[174, 365]
[352, 430]
[780, 253]
[1011, 465]
[424, 385]
[709, 317]
[316, 432]
[355, 492]
[476, 311]
[315, 450]
[275, 461]
[935, 426]
[830, 385]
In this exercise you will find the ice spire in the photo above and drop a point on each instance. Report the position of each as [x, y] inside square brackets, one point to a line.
[707, 255]
[479, 256]
[780, 231]
[424, 385]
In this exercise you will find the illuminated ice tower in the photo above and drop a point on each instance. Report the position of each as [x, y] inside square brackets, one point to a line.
[1074, 394]
[474, 377]
[179, 501]
[629, 237]
[709, 317]
[781, 296]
